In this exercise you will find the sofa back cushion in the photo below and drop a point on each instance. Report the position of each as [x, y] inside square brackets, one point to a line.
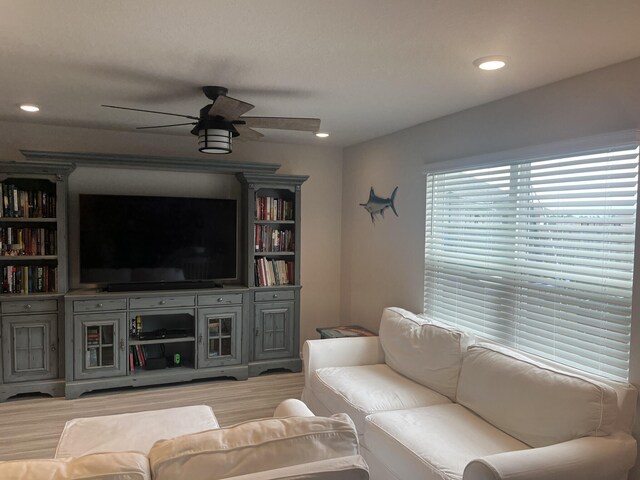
[423, 351]
[532, 402]
[112, 466]
[255, 446]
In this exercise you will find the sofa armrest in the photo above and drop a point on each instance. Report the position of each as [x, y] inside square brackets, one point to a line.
[292, 407]
[341, 352]
[587, 458]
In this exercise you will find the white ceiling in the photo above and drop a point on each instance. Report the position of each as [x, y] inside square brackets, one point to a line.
[365, 67]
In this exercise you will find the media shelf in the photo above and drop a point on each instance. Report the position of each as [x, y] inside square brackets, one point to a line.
[162, 338]
[275, 222]
[159, 336]
[28, 258]
[28, 221]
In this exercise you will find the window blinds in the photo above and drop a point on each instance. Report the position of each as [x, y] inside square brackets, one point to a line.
[538, 255]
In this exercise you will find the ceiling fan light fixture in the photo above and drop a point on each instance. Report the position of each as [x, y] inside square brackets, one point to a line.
[494, 62]
[214, 140]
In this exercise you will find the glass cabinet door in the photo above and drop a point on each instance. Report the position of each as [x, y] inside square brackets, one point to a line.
[101, 348]
[100, 345]
[219, 336]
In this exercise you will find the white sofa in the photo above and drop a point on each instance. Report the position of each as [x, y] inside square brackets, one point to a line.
[430, 403]
[187, 443]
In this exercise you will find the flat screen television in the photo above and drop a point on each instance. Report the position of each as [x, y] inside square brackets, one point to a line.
[129, 242]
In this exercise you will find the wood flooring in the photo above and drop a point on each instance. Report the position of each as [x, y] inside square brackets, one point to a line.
[30, 426]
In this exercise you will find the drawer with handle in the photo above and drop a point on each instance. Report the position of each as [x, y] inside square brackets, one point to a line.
[28, 306]
[275, 295]
[168, 301]
[99, 305]
[222, 299]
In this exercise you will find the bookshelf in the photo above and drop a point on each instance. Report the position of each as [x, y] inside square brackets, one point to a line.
[30, 234]
[272, 209]
[33, 269]
[272, 229]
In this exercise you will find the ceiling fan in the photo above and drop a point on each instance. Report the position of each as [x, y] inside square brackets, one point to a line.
[223, 119]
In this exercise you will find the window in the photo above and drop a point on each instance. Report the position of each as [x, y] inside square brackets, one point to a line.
[537, 253]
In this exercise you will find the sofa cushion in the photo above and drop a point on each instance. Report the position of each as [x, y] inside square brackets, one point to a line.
[533, 402]
[131, 431]
[423, 351]
[252, 447]
[435, 442]
[361, 390]
[343, 468]
[112, 466]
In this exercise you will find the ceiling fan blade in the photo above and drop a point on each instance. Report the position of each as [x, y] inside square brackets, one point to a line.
[229, 108]
[248, 133]
[171, 125]
[284, 123]
[150, 111]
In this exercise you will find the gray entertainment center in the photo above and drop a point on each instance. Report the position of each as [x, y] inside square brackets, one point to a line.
[68, 341]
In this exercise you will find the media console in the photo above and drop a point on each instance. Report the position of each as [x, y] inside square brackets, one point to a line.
[63, 341]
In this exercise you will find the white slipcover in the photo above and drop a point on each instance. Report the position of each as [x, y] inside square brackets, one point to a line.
[360, 391]
[131, 431]
[434, 442]
[253, 447]
[534, 403]
[111, 466]
[427, 353]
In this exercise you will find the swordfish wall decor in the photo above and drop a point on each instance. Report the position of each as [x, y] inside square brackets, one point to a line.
[377, 205]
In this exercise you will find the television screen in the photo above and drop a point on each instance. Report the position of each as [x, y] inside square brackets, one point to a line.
[138, 239]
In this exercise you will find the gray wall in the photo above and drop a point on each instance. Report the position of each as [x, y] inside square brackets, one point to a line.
[383, 263]
[321, 194]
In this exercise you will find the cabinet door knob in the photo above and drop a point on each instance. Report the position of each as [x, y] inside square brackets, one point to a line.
[53, 347]
[200, 338]
[219, 299]
[122, 344]
[257, 332]
[28, 306]
[275, 295]
[162, 302]
[100, 305]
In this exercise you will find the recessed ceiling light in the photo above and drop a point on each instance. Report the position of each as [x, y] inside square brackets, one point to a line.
[30, 108]
[493, 62]
[322, 134]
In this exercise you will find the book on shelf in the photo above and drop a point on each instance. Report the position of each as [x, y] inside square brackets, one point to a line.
[269, 239]
[93, 337]
[28, 279]
[20, 203]
[135, 326]
[275, 209]
[27, 241]
[273, 272]
[147, 357]
[139, 359]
